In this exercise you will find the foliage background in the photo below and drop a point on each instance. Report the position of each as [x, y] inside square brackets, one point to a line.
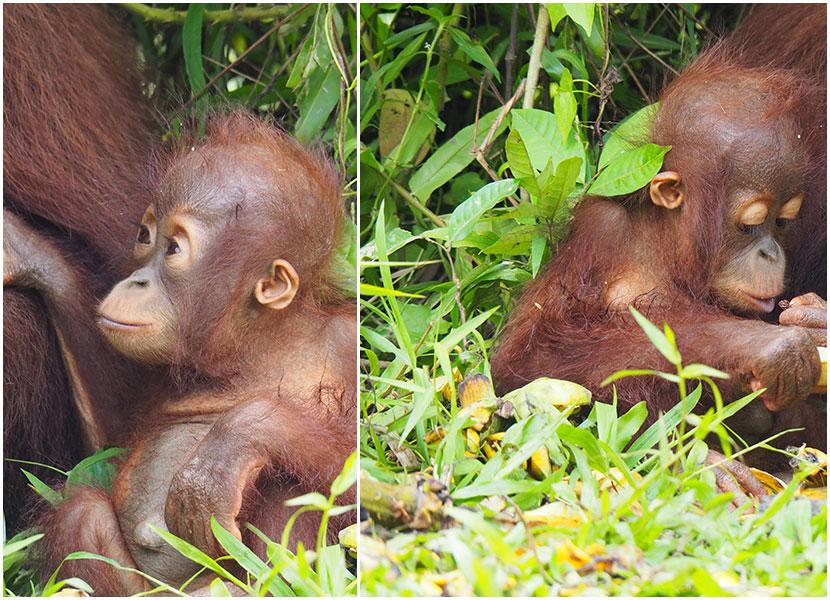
[460, 206]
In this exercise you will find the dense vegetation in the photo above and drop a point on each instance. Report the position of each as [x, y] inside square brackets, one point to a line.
[479, 132]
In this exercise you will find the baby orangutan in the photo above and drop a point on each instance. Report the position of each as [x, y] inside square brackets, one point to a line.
[249, 350]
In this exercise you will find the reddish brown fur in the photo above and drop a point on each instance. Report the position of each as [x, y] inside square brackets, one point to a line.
[305, 213]
[75, 127]
[562, 326]
[800, 32]
[226, 383]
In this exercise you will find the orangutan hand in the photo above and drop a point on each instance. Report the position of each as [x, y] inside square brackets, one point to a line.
[810, 312]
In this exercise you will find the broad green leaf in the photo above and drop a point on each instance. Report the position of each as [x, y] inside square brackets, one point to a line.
[301, 62]
[332, 572]
[474, 50]
[465, 216]
[558, 187]
[315, 108]
[596, 39]
[582, 14]
[629, 171]
[666, 422]
[633, 131]
[556, 12]
[541, 137]
[396, 238]
[192, 47]
[629, 424]
[519, 162]
[452, 157]
[95, 470]
[516, 241]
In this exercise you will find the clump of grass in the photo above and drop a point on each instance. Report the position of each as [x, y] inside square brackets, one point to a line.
[615, 515]
[321, 571]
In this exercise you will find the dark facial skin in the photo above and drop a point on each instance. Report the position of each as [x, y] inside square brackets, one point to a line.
[765, 197]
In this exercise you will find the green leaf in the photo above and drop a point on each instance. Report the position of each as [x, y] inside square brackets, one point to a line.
[519, 162]
[324, 94]
[367, 289]
[657, 337]
[630, 423]
[193, 553]
[218, 589]
[564, 105]
[192, 47]
[17, 545]
[51, 496]
[474, 50]
[332, 571]
[666, 422]
[537, 250]
[301, 62]
[347, 476]
[466, 215]
[556, 12]
[630, 133]
[247, 558]
[452, 157]
[582, 14]
[541, 137]
[557, 188]
[95, 470]
[630, 171]
[696, 370]
[424, 397]
[516, 241]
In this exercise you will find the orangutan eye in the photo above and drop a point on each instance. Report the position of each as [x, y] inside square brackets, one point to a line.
[143, 234]
[749, 229]
[172, 248]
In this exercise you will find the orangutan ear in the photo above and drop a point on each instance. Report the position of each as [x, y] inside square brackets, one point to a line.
[278, 290]
[666, 190]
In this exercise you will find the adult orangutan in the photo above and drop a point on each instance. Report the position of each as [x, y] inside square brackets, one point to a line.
[234, 295]
[702, 248]
[76, 141]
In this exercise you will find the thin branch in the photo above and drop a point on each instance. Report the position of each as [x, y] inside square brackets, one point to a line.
[414, 203]
[488, 139]
[539, 37]
[232, 15]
